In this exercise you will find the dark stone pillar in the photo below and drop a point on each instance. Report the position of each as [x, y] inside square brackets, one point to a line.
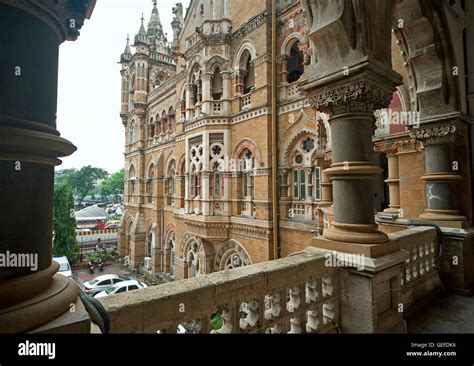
[30, 145]
[350, 104]
[439, 176]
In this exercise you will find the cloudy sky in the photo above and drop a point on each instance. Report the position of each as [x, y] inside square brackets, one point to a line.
[89, 81]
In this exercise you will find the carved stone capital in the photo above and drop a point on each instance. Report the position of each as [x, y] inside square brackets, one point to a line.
[357, 95]
[435, 135]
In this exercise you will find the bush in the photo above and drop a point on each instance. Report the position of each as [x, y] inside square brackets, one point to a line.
[94, 257]
[216, 321]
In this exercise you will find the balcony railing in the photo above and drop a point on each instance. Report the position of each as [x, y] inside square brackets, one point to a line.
[296, 294]
[419, 275]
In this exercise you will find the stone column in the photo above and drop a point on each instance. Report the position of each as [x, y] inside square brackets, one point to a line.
[226, 93]
[189, 109]
[284, 76]
[206, 93]
[393, 180]
[31, 292]
[439, 176]
[227, 176]
[350, 104]
[205, 175]
[326, 190]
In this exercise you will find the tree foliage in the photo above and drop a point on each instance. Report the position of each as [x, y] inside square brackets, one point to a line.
[84, 180]
[64, 224]
[112, 185]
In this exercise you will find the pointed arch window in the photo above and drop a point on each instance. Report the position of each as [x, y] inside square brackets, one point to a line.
[217, 84]
[149, 184]
[131, 184]
[249, 73]
[132, 132]
[295, 63]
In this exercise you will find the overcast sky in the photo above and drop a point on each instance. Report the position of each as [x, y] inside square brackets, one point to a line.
[89, 81]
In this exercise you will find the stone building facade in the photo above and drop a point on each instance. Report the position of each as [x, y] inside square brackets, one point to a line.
[199, 151]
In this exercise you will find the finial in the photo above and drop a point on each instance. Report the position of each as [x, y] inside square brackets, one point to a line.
[128, 38]
[154, 2]
[142, 18]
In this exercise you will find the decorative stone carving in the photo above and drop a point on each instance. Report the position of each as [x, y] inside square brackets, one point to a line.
[312, 293]
[295, 325]
[359, 95]
[295, 299]
[328, 287]
[435, 135]
[273, 305]
[313, 321]
[251, 317]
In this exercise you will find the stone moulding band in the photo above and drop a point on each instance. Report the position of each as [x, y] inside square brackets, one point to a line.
[437, 177]
[356, 168]
[33, 146]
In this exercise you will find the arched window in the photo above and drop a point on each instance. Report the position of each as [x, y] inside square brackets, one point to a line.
[151, 128]
[216, 85]
[149, 184]
[171, 119]
[247, 163]
[149, 243]
[131, 183]
[216, 186]
[248, 72]
[195, 86]
[132, 132]
[172, 251]
[295, 63]
[306, 178]
[164, 122]
[170, 183]
[195, 183]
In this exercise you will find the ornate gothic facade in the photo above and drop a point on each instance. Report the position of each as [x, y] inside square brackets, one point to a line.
[197, 112]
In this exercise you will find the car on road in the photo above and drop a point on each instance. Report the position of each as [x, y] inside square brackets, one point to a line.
[102, 283]
[111, 226]
[122, 287]
[64, 266]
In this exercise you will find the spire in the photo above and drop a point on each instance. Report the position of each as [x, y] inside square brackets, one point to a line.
[127, 50]
[127, 53]
[141, 37]
[142, 27]
[155, 29]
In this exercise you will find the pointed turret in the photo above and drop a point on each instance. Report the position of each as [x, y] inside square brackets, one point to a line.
[141, 37]
[127, 53]
[155, 29]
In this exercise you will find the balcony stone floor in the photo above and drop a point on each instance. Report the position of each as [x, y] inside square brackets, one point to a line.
[448, 313]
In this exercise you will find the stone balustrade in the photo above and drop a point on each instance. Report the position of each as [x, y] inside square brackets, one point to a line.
[300, 293]
[419, 275]
[296, 294]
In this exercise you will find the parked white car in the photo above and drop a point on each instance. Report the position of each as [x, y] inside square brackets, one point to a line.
[64, 266]
[122, 287]
[103, 283]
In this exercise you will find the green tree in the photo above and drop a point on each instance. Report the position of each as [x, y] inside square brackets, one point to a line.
[112, 185]
[63, 176]
[84, 180]
[64, 224]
